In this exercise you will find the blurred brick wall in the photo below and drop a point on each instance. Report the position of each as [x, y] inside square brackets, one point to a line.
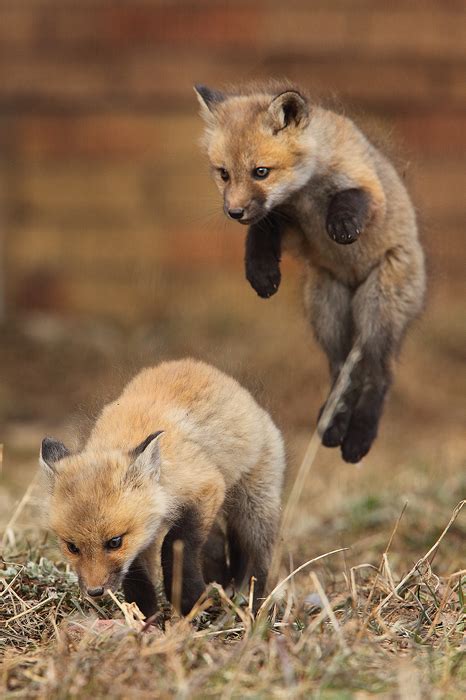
[103, 187]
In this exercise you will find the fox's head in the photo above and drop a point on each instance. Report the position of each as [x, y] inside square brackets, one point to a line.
[105, 508]
[259, 147]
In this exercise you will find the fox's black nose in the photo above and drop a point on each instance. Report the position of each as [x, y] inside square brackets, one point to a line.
[95, 592]
[236, 213]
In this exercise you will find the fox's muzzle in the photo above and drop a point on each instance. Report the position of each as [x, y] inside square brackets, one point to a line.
[95, 592]
[95, 587]
[235, 213]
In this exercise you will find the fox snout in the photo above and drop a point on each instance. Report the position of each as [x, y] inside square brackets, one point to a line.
[94, 585]
[237, 213]
[93, 588]
[95, 592]
[245, 213]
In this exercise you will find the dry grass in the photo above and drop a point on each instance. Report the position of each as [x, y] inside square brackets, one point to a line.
[336, 631]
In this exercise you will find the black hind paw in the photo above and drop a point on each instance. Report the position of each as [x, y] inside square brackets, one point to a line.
[335, 432]
[357, 443]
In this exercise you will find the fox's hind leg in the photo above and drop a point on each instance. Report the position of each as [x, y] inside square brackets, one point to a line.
[382, 308]
[329, 305]
[252, 530]
[214, 560]
[253, 514]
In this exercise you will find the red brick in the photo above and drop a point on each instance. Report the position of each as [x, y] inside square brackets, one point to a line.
[119, 26]
[235, 24]
[62, 187]
[105, 135]
[157, 81]
[438, 187]
[433, 132]
[378, 32]
[426, 29]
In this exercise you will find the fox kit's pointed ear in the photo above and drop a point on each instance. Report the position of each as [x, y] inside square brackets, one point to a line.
[146, 459]
[208, 99]
[288, 108]
[51, 452]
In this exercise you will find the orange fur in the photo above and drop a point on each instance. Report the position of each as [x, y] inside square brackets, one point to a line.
[332, 198]
[216, 438]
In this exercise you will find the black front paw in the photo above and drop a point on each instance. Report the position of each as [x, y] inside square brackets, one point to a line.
[343, 231]
[263, 275]
[347, 215]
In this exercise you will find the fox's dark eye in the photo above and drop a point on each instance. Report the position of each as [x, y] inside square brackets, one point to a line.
[260, 173]
[224, 174]
[114, 543]
[72, 548]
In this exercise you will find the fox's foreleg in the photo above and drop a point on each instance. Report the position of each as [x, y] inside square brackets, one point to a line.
[263, 255]
[347, 215]
[252, 525]
[138, 587]
[192, 526]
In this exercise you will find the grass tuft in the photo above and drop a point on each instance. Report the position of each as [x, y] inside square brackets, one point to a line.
[320, 633]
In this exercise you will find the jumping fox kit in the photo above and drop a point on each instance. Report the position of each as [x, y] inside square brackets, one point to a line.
[119, 504]
[298, 174]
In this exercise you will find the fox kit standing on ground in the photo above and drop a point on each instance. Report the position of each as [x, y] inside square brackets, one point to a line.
[287, 166]
[133, 485]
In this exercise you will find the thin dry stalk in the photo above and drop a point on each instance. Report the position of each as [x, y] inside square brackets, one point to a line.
[340, 387]
[8, 534]
[177, 582]
[331, 407]
[395, 529]
[328, 609]
[217, 633]
[9, 585]
[133, 616]
[251, 593]
[388, 571]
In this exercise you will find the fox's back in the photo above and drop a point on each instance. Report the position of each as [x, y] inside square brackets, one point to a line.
[197, 405]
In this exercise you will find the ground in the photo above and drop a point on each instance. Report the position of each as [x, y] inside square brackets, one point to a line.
[343, 626]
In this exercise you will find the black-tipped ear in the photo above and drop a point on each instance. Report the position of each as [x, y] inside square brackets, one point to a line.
[51, 452]
[146, 458]
[208, 98]
[145, 443]
[288, 108]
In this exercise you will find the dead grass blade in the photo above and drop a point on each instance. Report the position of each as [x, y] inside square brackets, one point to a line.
[264, 607]
[329, 611]
[423, 559]
[8, 532]
[331, 407]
